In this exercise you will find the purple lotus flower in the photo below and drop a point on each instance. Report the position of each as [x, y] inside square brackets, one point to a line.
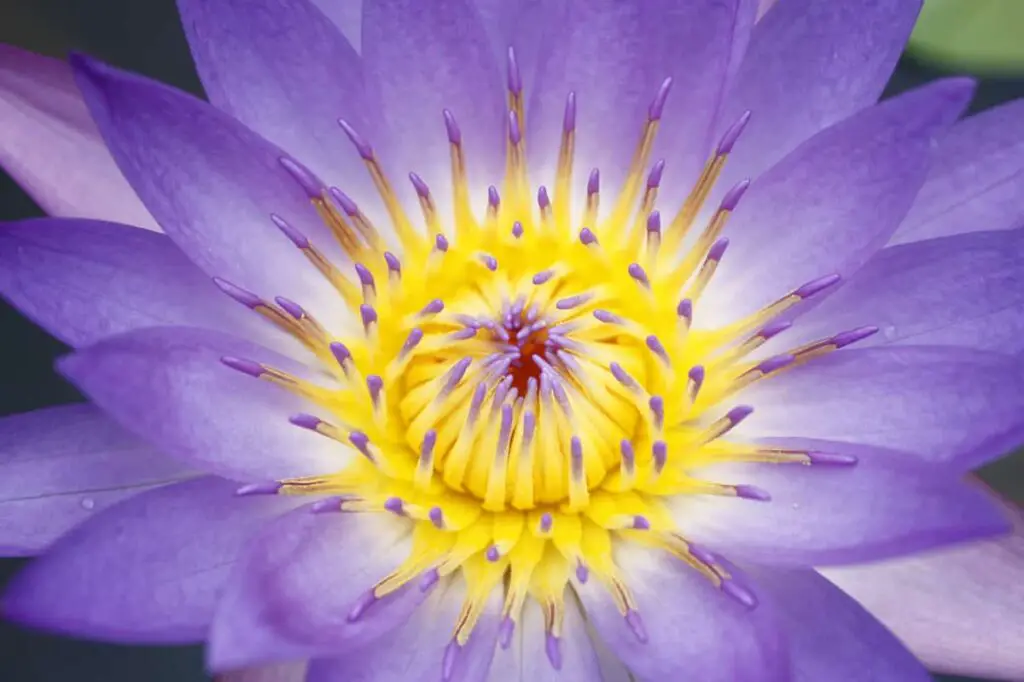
[669, 314]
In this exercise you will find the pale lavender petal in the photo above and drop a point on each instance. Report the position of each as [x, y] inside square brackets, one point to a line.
[213, 185]
[830, 204]
[295, 589]
[148, 569]
[83, 280]
[50, 145]
[347, 15]
[959, 609]
[809, 65]
[886, 504]
[960, 290]
[830, 636]
[416, 652]
[169, 385]
[976, 181]
[61, 465]
[281, 672]
[953, 405]
[425, 58]
[693, 630]
[283, 69]
[615, 56]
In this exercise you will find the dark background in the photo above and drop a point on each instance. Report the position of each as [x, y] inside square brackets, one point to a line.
[145, 36]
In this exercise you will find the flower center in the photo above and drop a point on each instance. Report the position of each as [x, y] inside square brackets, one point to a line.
[525, 387]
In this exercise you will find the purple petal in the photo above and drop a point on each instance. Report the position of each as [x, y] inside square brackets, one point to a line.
[960, 290]
[416, 652]
[168, 384]
[615, 56]
[831, 637]
[943, 404]
[148, 569]
[282, 672]
[284, 70]
[294, 589]
[886, 504]
[693, 629]
[833, 202]
[957, 609]
[809, 65]
[213, 186]
[49, 144]
[83, 280]
[976, 181]
[427, 57]
[61, 465]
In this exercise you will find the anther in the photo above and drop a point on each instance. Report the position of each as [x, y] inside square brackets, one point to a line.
[365, 601]
[641, 522]
[374, 384]
[432, 308]
[594, 182]
[451, 127]
[515, 80]
[658, 349]
[718, 249]
[733, 133]
[368, 316]
[489, 261]
[582, 572]
[570, 302]
[623, 377]
[607, 317]
[628, 462]
[492, 554]
[657, 107]
[361, 443]
[455, 375]
[587, 237]
[659, 455]
[345, 201]
[816, 286]
[654, 177]
[637, 273]
[828, 458]
[296, 237]
[685, 311]
[267, 488]
[290, 307]
[733, 196]
[451, 654]
[546, 521]
[436, 517]
[853, 336]
[253, 369]
[553, 649]
[395, 506]
[441, 243]
[750, 492]
[517, 229]
[421, 188]
[542, 277]
[636, 624]
[246, 298]
[505, 632]
[569, 117]
[309, 183]
[306, 421]
[695, 379]
[342, 355]
[493, 198]
[515, 135]
[654, 223]
[657, 407]
[357, 140]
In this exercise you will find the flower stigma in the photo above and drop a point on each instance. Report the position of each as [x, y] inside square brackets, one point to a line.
[524, 388]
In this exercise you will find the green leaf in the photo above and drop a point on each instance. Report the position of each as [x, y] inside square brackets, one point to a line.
[978, 36]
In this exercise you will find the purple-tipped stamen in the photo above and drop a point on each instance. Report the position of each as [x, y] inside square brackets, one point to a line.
[733, 196]
[305, 421]
[436, 517]
[728, 140]
[542, 277]
[515, 135]
[451, 127]
[441, 243]
[654, 177]
[685, 309]
[657, 107]
[433, 308]
[659, 454]
[451, 655]
[594, 182]
[717, 249]
[569, 117]
[421, 188]
[752, 492]
[657, 407]
[515, 78]
[489, 261]
[740, 593]
[365, 601]
[361, 443]
[853, 336]
[492, 554]
[774, 329]
[553, 650]
[517, 229]
[290, 307]
[636, 624]
[253, 369]
[828, 458]
[357, 140]
[505, 632]
[309, 183]
[546, 521]
[696, 377]
[622, 376]
[493, 198]
[328, 505]
[657, 348]
[570, 302]
[296, 237]
[374, 384]
[345, 201]
[637, 273]
[641, 522]
[816, 286]
[654, 223]
[774, 363]
[368, 315]
[543, 200]
[266, 488]
[587, 237]
[246, 298]
[341, 353]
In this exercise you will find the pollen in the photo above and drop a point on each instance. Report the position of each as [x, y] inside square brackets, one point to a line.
[523, 384]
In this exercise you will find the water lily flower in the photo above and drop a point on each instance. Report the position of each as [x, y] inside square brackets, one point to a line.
[494, 340]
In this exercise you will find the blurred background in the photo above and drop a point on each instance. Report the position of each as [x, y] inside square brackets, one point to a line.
[977, 37]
